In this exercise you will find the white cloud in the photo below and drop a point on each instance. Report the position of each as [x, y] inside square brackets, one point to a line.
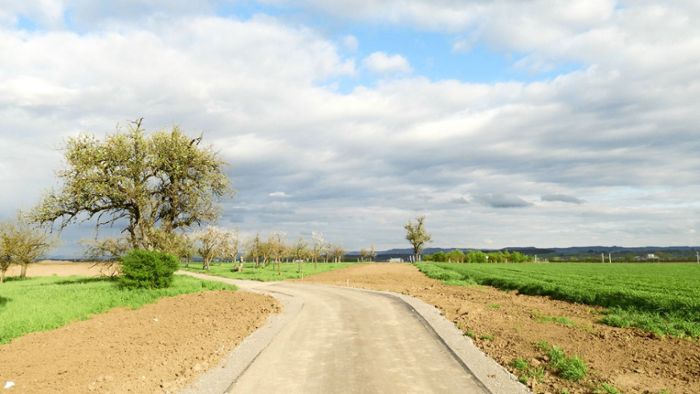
[278, 195]
[610, 134]
[382, 63]
[350, 42]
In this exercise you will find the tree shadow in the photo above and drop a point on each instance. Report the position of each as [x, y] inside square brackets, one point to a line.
[4, 300]
[95, 279]
[13, 279]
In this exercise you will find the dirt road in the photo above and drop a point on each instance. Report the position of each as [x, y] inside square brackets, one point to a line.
[352, 341]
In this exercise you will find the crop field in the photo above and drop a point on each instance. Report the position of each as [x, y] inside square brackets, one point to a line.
[266, 274]
[44, 303]
[660, 298]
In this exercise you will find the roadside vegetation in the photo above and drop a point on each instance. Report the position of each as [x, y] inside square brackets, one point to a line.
[40, 304]
[660, 298]
[265, 274]
[157, 188]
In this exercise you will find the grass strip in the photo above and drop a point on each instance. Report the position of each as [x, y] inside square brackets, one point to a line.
[45, 303]
[266, 274]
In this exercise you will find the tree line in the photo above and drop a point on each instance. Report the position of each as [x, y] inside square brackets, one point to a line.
[477, 256]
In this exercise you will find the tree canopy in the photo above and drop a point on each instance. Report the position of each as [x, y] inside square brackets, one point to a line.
[417, 235]
[151, 184]
[22, 244]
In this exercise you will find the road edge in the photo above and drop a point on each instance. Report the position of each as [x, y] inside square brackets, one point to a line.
[490, 373]
[493, 376]
[224, 375]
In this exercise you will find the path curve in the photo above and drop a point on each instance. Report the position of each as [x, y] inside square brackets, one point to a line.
[343, 340]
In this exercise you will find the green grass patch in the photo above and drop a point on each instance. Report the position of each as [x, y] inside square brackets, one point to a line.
[45, 303]
[266, 274]
[569, 368]
[607, 389]
[663, 298]
[527, 371]
[561, 320]
[470, 333]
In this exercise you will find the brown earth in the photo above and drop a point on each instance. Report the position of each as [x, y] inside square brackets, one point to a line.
[160, 347]
[63, 268]
[629, 359]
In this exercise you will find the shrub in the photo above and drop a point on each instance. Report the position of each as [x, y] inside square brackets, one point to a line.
[147, 269]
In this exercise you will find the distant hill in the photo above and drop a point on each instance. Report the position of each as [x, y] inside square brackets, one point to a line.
[573, 253]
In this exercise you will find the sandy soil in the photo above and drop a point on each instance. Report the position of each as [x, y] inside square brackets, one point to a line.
[63, 268]
[633, 361]
[158, 348]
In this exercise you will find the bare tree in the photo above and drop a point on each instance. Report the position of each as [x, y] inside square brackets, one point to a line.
[211, 245]
[106, 253]
[300, 253]
[254, 249]
[318, 246]
[230, 249]
[106, 249]
[5, 252]
[278, 249]
[337, 252]
[364, 255]
[368, 254]
[21, 243]
[418, 236]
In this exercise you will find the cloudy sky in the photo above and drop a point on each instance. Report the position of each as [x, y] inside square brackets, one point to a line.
[506, 123]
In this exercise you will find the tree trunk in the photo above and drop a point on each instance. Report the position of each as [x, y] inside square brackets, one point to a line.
[23, 272]
[2, 276]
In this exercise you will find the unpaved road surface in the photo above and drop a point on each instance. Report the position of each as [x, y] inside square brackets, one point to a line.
[342, 340]
[631, 360]
[351, 341]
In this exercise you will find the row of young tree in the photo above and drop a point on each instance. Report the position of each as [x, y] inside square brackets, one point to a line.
[477, 256]
[216, 244]
[156, 188]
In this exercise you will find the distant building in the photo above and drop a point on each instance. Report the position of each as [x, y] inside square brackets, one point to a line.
[648, 257]
[396, 260]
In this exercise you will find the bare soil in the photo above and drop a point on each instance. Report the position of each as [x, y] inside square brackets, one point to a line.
[63, 268]
[160, 347]
[631, 360]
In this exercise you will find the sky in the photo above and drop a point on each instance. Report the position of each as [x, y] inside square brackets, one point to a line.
[506, 123]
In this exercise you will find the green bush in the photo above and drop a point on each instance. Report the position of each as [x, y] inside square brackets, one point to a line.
[147, 269]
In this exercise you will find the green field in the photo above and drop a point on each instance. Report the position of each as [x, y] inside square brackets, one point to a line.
[266, 274]
[660, 298]
[40, 304]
